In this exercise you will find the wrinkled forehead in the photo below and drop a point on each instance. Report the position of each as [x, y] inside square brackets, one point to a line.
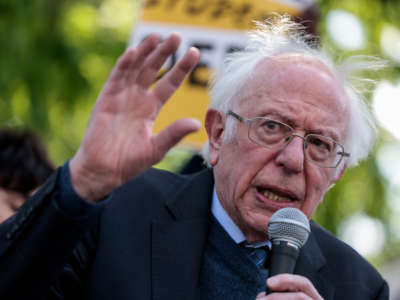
[305, 70]
[290, 59]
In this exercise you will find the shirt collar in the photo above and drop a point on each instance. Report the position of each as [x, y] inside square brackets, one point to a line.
[229, 225]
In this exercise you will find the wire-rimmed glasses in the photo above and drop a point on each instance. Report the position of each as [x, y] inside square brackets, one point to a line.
[318, 149]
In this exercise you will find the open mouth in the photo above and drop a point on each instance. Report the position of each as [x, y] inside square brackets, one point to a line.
[277, 196]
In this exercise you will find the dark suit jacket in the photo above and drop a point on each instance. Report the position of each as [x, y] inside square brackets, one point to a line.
[147, 244]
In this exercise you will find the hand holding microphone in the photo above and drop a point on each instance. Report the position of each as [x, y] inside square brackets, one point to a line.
[290, 286]
[288, 231]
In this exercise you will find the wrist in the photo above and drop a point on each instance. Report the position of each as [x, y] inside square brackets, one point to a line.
[89, 185]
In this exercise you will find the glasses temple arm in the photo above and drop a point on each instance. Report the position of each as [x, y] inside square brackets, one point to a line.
[235, 115]
[345, 154]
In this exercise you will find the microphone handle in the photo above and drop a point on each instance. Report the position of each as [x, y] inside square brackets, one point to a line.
[283, 259]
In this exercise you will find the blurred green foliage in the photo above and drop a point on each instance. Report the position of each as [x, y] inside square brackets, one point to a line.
[56, 55]
[363, 189]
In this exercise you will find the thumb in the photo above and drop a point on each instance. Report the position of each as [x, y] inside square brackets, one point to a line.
[171, 135]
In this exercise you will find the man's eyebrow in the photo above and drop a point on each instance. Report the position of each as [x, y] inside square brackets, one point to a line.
[325, 132]
[278, 116]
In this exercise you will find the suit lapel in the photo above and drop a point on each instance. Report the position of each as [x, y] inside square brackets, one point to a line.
[311, 264]
[178, 243]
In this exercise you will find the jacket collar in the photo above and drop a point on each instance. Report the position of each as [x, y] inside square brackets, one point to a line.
[198, 189]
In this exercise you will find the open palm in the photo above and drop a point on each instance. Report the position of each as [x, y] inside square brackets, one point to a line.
[119, 143]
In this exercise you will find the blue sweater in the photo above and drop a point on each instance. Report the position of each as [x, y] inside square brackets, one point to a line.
[227, 271]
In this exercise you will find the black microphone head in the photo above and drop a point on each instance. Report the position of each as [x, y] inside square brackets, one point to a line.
[289, 225]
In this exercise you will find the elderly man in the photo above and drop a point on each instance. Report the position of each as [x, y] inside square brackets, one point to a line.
[283, 126]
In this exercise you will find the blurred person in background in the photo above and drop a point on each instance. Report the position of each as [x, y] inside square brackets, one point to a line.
[24, 166]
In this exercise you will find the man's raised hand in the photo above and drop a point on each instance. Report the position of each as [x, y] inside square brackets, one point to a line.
[119, 143]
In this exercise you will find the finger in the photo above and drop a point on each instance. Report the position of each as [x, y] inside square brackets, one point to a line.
[170, 136]
[168, 84]
[133, 58]
[287, 296]
[261, 296]
[283, 296]
[293, 283]
[156, 60]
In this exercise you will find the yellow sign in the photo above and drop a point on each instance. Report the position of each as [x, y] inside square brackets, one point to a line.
[215, 27]
[218, 14]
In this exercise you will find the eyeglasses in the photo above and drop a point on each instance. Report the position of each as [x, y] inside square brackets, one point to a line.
[318, 149]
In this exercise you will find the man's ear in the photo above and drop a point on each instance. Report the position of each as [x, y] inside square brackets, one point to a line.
[339, 175]
[215, 126]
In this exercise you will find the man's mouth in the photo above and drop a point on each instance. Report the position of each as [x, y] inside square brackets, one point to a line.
[277, 196]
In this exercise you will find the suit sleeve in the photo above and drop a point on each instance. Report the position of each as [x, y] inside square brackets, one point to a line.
[383, 293]
[72, 280]
[37, 242]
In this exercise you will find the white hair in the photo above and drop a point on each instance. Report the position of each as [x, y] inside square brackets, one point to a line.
[279, 35]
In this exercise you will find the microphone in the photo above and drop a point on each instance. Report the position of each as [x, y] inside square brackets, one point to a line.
[288, 231]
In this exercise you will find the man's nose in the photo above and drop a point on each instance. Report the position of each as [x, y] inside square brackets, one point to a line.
[291, 157]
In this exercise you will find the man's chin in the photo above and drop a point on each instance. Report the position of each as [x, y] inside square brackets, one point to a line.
[257, 231]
